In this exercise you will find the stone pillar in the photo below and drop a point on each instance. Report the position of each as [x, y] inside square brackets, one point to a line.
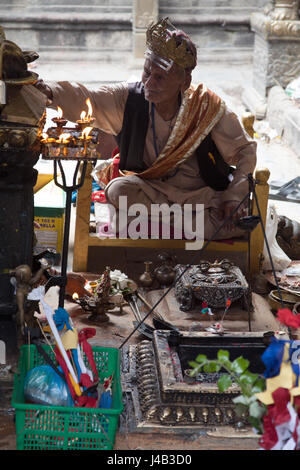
[276, 51]
[144, 13]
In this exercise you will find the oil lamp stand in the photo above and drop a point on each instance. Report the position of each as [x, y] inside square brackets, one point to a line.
[61, 280]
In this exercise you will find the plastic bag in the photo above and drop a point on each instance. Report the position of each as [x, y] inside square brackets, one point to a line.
[279, 257]
[44, 386]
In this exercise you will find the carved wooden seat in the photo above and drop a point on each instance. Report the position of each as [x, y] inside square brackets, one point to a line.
[84, 239]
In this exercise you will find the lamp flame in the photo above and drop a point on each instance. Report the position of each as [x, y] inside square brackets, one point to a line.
[83, 116]
[75, 296]
[90, 109]
[44, 137]
[59, 112]
[64, 138]
[86, 132]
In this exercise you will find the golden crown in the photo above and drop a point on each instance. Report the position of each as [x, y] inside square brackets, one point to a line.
[162, 42]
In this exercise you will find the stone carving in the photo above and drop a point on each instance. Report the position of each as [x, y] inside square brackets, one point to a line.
[270, 28]
[282, 64]
[277, 45]
[285, 10]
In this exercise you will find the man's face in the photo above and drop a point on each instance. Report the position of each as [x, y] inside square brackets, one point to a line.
[161, 86]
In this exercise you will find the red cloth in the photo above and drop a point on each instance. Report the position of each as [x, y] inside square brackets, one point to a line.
[84, 401]
[83, 336]
[287, 318]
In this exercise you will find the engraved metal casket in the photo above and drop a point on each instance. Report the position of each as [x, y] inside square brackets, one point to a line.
[212, 283]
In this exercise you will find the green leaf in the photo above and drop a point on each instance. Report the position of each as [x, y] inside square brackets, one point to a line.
[239, 365]
[196, 369]
[223, 356]
[248, 378]
[255, 410]
[193, 364]
[241, 400]
[256, 424]
[201, 358]
[241, 410]
[211, 366]
[259, 386]
[224, 382]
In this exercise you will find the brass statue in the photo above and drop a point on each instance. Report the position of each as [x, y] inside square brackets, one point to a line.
[24, 282]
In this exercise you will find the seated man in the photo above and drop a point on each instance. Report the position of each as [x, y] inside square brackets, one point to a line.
[176, 141]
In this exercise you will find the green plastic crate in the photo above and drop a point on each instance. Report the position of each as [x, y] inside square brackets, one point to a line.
[40, 427]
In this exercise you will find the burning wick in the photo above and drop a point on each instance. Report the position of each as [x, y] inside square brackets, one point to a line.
[85, 138]
[86, 118]
[75, 296]
[59, 120]
[63, 141]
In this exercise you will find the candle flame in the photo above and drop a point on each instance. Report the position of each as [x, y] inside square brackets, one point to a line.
[75, 296]
[86, 132]
[90, 109]
[59, 112]
[44, 137]
[64, 138]
[83, 116]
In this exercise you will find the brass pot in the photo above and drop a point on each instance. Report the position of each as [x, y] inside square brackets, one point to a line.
[288, 300]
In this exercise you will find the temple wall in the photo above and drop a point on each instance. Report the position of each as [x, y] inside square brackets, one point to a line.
[106, 29]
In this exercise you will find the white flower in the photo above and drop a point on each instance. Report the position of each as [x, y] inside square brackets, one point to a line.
[117, 277]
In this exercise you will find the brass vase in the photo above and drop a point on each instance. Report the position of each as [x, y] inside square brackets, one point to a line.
[146, 279]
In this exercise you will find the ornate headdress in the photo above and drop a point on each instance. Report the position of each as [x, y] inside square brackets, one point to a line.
[164, 47]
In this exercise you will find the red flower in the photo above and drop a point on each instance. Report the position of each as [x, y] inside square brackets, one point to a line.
[286, 317]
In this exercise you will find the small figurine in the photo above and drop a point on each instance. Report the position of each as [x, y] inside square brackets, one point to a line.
[24, 281]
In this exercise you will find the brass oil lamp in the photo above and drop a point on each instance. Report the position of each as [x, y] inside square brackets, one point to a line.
[79, 144]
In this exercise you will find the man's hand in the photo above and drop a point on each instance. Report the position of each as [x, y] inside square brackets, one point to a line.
[45, 89]
[227, 208]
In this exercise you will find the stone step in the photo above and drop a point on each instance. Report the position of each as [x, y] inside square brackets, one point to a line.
[103, 31]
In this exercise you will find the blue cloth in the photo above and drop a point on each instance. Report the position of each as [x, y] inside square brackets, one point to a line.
[61, 318]
[272, 357]
[105, 400]
[95, 187]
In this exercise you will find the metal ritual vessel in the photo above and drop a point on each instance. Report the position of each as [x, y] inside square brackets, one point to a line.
[156, 376]
[213, 283]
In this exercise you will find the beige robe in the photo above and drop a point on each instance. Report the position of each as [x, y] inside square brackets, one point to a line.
[186, 186]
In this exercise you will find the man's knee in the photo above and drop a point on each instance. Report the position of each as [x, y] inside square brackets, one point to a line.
[120, 187]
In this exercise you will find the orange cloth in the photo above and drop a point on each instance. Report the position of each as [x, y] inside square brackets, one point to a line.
[200, 111]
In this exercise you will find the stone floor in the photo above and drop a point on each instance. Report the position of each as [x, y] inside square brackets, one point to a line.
[229, 81]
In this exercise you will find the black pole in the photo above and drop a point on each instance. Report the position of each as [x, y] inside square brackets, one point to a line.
[61, 280]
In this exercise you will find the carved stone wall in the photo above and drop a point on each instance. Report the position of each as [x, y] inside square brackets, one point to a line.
[277, 45]
[111, 30]
[71, 29]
